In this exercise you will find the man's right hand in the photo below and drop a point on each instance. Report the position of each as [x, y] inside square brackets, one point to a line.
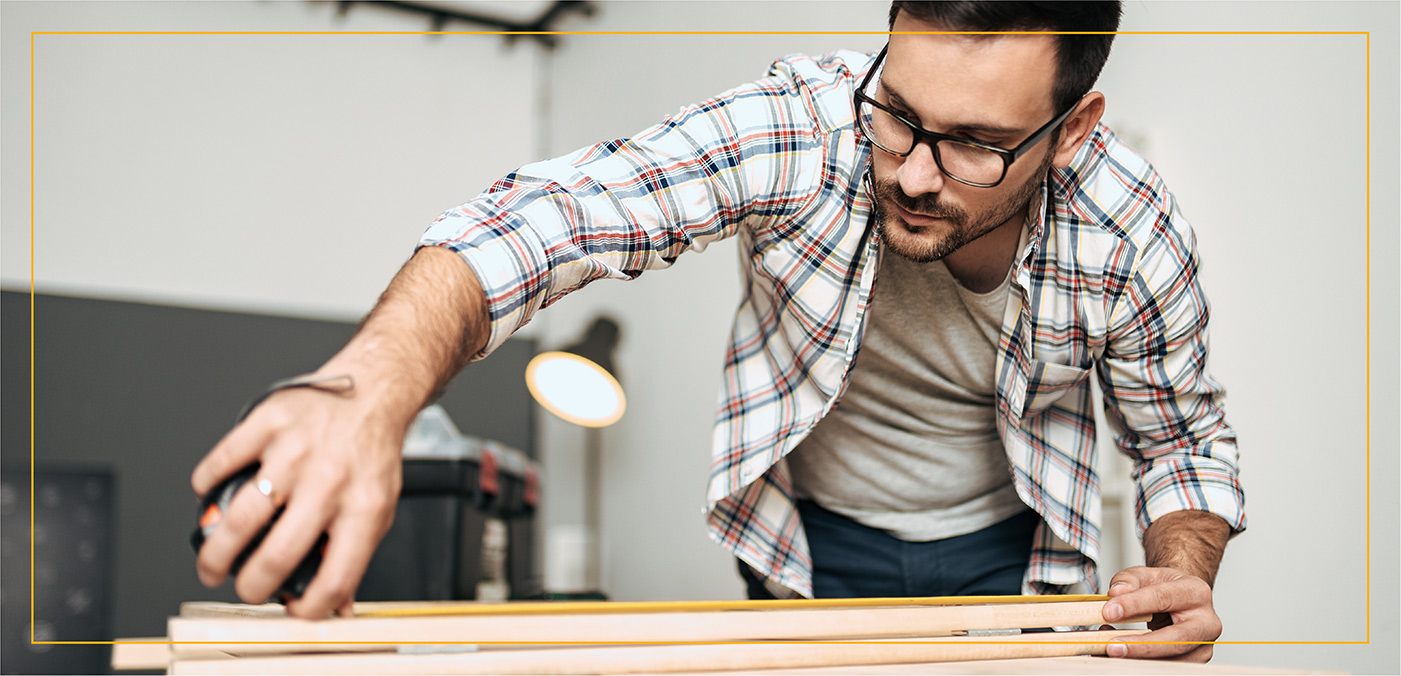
[335, 467]
[333, 460]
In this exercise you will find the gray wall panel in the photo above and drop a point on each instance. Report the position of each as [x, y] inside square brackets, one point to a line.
[148, 389]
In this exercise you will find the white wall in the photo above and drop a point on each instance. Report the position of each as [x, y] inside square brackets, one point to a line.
[1282, 219]
[1264, 138]
[277, 173]
[294, 173]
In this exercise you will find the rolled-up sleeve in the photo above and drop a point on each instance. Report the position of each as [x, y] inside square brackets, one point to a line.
[748, 157]
[1160, 397]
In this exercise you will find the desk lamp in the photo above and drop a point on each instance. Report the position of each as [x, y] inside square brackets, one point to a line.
[577, 384]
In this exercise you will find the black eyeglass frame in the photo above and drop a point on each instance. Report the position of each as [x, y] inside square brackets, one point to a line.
[933, 137]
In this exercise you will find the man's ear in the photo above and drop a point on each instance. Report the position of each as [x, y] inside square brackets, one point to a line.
[1077, 128]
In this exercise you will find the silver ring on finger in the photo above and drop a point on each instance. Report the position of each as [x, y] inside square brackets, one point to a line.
[265, 486]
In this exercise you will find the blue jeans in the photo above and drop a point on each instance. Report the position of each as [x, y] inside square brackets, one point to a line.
[852, 560]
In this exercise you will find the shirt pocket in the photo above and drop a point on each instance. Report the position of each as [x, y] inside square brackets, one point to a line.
[1046, 383]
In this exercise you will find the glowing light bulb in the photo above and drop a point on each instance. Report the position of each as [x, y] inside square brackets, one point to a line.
[575, 389]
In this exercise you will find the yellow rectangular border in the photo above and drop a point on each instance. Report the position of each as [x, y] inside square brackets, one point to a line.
[1367, 50]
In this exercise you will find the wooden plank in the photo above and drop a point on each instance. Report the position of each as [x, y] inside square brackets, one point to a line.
[672, 658]
[1045, 666]
[227, 610]
[145, 654]
[280, 634]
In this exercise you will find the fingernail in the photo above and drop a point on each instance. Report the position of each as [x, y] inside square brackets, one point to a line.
[1113, 611]
[1116, 650]
[1120, 583]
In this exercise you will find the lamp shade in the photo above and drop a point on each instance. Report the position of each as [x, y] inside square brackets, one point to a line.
[577, 382]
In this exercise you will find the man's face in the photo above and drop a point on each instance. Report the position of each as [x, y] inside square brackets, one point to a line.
[991, 89]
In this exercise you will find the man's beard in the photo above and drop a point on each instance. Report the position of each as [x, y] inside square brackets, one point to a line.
[966, 227]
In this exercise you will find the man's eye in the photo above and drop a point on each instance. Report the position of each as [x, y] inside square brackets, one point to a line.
[982, 139]
[906, 114]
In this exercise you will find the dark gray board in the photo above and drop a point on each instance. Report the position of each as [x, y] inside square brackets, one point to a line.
[146, 390]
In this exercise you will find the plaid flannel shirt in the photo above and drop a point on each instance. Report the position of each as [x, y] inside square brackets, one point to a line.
[1107, 283]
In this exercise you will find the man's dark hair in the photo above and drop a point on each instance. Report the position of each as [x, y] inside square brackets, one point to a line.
[1079, 58]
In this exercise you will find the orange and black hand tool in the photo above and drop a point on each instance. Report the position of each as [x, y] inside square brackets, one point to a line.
[211, 513]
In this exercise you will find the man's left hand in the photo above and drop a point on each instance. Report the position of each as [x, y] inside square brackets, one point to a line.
[1180, 605]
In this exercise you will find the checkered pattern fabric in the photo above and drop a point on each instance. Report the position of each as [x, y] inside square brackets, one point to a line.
[1107, 284]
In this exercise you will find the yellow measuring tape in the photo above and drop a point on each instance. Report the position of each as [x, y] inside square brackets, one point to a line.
[391, 609]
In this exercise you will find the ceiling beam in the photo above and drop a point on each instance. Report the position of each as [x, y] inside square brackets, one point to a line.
[440, 14]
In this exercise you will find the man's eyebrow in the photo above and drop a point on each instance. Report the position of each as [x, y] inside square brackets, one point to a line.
[990, 129]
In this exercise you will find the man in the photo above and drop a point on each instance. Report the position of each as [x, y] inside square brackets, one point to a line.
[941, 243]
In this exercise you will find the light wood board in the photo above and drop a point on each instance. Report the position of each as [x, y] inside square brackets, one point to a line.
[1046, 666]
[671, 658]
[280, 634]
[611, 637]
[147, 653]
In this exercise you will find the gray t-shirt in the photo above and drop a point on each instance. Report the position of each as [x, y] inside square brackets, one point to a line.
[912, 448]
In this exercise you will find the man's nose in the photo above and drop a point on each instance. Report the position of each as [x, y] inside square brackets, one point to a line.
[919, 173]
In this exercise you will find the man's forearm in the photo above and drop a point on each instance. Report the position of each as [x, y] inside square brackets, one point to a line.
[1190, 541]
[429, 321]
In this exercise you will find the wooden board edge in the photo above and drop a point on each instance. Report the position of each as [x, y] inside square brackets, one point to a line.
[141, 654]
[252, 635]
[673, 658]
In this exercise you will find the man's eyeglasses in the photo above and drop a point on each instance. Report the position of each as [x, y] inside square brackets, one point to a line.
[964, 160]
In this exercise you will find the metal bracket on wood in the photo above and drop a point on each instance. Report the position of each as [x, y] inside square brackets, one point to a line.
[439, 14]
